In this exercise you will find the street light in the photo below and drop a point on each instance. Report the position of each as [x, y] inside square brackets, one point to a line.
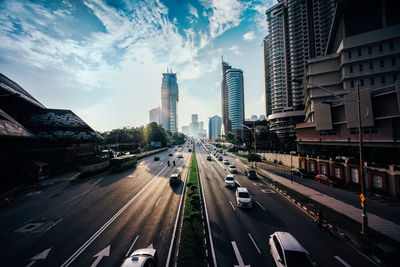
[254, 136]
[364, 221]
[291, 165]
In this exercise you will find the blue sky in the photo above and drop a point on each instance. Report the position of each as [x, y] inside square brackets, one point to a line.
[104, 59]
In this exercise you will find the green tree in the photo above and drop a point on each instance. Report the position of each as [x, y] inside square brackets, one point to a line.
[154, 132]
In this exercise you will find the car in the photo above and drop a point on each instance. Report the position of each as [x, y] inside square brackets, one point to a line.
[287, 251]
[230, 181]
[226, 162]
[250, 173]
[208, 157]
[180, 156]
[243, 198]
[220, 158]
[141, 258]
[224, 153]
[170, 154]
[325, 179]
[175, 179]
[190, 150]
[299, 172]
[156, 158]
[232, 169]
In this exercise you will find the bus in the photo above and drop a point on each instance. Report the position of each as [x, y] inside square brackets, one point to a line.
[122, 162]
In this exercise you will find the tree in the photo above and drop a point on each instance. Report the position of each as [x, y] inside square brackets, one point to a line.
[154, 132]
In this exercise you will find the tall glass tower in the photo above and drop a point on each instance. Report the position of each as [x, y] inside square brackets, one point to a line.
[234, 82]
[169, 100]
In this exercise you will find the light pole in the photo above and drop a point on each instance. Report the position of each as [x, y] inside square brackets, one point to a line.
[254, 136]
[364, 218]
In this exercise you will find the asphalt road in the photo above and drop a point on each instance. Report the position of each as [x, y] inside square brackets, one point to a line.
[241, 236]
[102, 219]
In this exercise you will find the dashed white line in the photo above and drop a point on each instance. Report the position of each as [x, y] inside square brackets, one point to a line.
[342, 261]
[232, 206]
[158, 201]
[221, 187]
[254, 243]
[260, 205]
[130, 248]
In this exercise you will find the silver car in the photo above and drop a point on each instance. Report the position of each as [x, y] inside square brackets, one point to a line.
[141, 257]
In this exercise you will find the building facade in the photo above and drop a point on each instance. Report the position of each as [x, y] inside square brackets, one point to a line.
[235, 86]
[214, 127]
[224, 97]
[169, 101]
[154, 115]
[298, 31]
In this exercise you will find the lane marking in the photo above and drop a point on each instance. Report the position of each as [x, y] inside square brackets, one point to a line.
[232, 206]
[342, 261]
[221, 187]
[267, 191]
[101, 229]
[238, 257]
[75, 197]
[54, 224]
[104, 253]
[157, 202]
[208, 222]
[130, 248]
[254, 243]
[260, 205]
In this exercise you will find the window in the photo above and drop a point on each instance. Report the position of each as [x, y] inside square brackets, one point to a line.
[382, 63]
[380, 48]
[349, 54]
[337, 173]
[351, 69]
[352, 84]
[371, 66]
[359, 52]
[323, 169]
[361, 67]
[362, 82]
[370, 130]
[383, 79]
[377, 181]
[391, 45]
[278, 247]
[372, 81]
[312, 167]
[394, 77]
[354, 175]
[302, 165]
[393, 62]
[354, 131]
[369, 50]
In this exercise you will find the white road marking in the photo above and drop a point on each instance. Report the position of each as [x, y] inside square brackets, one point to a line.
[104, 253]
[260, 205]
[254, 243]
[41, 256]
[221, 187]
[130, 248]
[101, 229]
[342, 261]
[268, 191]
[54, 224]
[157, 202]
[232, 206]
[238, 256]
[161, 163]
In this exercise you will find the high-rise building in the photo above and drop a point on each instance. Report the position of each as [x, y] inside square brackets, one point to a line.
[194, 125]
[186, 130]
[234, 84]
[224, 97]
[214, 127]
[169, 99]
[154, 115]
[298, 31]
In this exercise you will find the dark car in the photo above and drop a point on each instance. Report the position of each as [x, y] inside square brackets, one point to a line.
[170, 154]
[250, 173]
[190, 150]
[156, 158]
[300, 172]
[331, 181]
[175, 179]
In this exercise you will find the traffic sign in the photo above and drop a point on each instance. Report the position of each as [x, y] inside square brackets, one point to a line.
[362, 204]
[362, 197]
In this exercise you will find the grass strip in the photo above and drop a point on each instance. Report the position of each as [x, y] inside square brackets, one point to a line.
[191, 249]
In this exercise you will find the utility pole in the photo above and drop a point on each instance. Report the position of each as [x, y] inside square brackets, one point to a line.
[364, 222]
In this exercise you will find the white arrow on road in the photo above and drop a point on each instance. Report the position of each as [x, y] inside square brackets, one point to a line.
[100, 255]
[238, 257]
[41, 256]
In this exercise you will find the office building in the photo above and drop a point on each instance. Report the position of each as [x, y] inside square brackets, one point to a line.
[186, 130]
[169, 101]
[214, 127]
[298, 31]
[234, 84]
[154, 115]
[224, 97]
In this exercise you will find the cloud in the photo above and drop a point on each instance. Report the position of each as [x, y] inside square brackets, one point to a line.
[249, 36]
[193, 11]
[235, 50]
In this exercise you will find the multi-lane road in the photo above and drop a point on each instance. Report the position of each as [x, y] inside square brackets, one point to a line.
[98, 221]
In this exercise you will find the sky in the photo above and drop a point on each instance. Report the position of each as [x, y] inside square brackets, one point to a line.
[104, 59]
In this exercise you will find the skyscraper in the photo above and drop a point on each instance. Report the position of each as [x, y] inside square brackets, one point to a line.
[298, 31]
[154, 115]
[214, 127]
[224, 97]
[169, 99]
[234, 83]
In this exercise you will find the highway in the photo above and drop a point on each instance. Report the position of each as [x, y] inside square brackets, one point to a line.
[240, 237]
[97, 220]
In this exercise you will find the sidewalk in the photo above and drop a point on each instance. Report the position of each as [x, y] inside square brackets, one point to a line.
[383, 226]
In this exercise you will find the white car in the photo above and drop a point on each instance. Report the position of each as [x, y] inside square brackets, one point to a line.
[230, 181]
[226, 162]
[141, 257]
[232, 169]
[180, 156]
[243, 198]
[287, 251]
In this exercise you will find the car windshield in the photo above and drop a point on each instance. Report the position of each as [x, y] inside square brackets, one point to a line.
[244, 195]
[252, 172]
[229, 178]
[297, 258]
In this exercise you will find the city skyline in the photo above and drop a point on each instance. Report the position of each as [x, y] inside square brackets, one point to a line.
[110, 66]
